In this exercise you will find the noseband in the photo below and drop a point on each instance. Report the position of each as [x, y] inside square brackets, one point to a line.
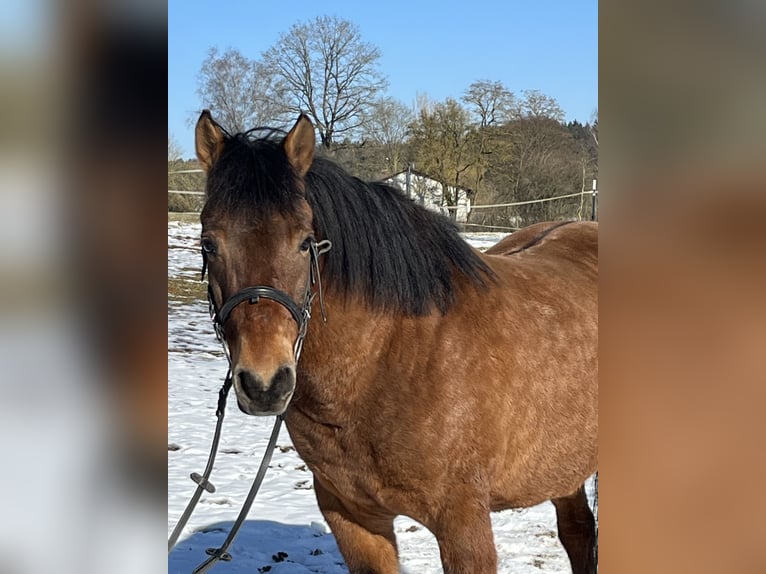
[300, 313]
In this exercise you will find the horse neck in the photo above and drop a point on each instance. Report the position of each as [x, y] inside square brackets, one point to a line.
[341, 350]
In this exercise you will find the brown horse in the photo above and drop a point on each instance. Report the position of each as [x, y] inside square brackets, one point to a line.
[443, 384]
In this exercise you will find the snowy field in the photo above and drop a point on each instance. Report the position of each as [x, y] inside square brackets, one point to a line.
[285, 518]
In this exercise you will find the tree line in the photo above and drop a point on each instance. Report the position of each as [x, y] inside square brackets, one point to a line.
[502, 147]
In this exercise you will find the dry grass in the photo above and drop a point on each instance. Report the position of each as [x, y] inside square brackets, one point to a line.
[186, 217]
[186, 290]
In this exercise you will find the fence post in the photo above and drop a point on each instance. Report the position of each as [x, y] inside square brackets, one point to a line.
[593, 199]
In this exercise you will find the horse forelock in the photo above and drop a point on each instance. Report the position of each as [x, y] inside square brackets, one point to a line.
[251, 179]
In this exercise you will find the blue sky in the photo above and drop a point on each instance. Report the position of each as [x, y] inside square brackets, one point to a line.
[436, 48]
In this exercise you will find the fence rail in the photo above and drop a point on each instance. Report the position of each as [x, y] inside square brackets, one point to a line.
[529, 202]
[501, 218]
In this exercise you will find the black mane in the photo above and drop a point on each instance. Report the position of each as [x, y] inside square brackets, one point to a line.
[395, 253]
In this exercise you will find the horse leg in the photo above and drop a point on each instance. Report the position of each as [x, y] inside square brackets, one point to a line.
[466, 542]
[367, 543]
[577, 531]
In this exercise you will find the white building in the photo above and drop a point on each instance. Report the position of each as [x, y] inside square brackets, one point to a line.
[430, 193]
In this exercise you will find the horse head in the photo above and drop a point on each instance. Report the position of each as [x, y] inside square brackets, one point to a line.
[258, 245]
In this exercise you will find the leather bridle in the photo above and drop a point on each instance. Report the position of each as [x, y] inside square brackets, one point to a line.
[300, 313]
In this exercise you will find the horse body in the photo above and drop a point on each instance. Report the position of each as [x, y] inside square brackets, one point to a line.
[420, 419]
[439, 416]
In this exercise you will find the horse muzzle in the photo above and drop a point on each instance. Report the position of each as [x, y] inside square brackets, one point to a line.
[260, 397]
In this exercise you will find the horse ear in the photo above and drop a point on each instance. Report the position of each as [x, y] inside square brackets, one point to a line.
[299, 145]
[208, 140]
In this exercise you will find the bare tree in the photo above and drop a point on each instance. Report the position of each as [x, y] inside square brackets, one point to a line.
[232, 87]
[388, 126]
[174, 149]
[325, 69]
[446, 146]
[536, 105]
[490, 102]
[424, 103]
[535, 135]
[545, 160]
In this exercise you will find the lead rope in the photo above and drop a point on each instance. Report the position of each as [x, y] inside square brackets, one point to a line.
[203, 482]
[221, 553]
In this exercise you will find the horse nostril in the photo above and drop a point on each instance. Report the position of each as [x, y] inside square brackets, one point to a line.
[283, 381]
[251, 384]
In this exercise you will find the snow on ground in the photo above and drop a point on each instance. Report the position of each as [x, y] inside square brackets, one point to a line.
[285, 517]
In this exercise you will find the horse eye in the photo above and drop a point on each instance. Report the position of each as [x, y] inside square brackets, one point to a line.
[307, 243]
[208, 245]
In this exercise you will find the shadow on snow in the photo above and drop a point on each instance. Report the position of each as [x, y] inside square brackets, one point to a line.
[261, 546]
